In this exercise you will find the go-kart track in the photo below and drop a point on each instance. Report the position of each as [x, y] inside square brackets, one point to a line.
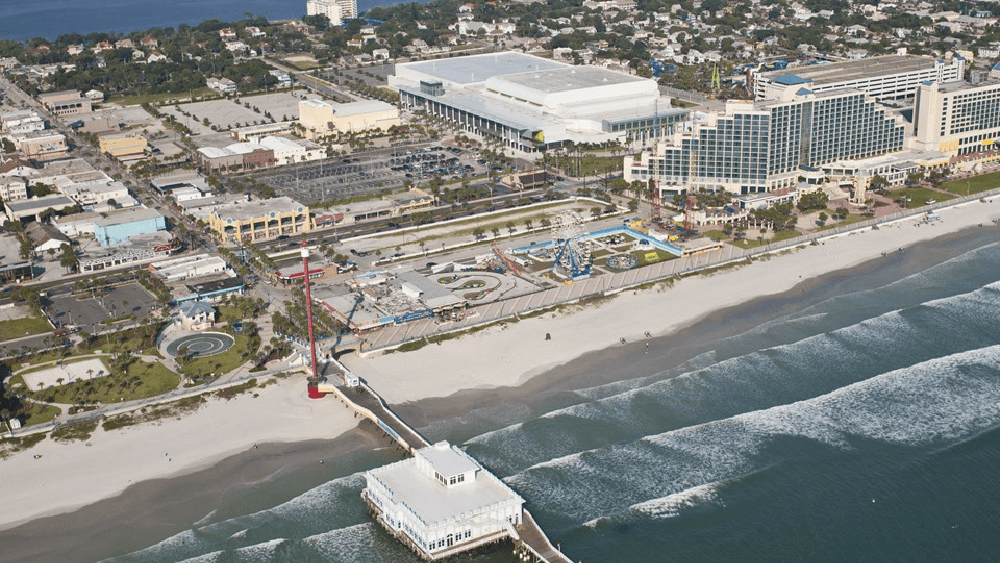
[201, 345]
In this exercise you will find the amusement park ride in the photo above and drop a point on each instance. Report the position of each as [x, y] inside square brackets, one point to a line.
[314, 379]
[571, 247]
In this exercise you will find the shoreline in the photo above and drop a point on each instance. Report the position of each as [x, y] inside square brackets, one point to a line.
[68, 476]
[517, 351]
[455, 402]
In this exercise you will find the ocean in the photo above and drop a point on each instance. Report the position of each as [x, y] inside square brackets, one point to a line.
[863, 425]
[50, 18]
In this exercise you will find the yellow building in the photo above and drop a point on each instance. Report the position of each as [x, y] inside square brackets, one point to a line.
[253, 221]
[320, 117]
[122, 144]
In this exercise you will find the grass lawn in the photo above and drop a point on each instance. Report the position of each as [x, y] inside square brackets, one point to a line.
[16, 328]
[919, 195]
[851, 218]
[973, 185]
[602, 252]
[160, 98]
[588, 165]
[661, 255]
[716, 234]
[40, 414]
[219, 363]
[770, 238]
[302, 61]
[140, 380]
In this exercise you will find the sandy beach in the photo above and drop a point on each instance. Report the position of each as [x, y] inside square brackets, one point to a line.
[436, 381]
[511, 354]
[68, 476]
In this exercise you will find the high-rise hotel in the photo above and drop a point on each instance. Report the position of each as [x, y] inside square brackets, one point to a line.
[958, 118]
[337, 11]
[759, 147]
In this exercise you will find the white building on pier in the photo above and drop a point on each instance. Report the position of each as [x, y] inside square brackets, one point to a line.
[442, 502]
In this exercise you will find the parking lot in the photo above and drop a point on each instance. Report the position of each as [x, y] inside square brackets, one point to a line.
[366, 174]
[227, 114]
[87, 312]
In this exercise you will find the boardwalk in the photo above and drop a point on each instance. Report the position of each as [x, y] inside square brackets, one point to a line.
[385, 418]
[533, 537]
[528, 538]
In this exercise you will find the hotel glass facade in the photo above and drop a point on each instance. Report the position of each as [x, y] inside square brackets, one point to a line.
[756, 150]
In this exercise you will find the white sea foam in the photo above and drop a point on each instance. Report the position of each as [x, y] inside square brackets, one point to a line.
[261, 551]
[355, 543]
[671, 505]
[943, 399]
[309, 508]
[206, 558]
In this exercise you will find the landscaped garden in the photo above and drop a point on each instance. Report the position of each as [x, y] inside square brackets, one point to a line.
[130, 379]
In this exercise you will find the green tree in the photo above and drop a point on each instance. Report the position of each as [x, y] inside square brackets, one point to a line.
[68, 258]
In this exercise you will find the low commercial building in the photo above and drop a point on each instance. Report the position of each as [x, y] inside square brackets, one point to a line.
[203, 207]
[92, 189]
[12, 266]
[259, 220]
[164, 185]
[388, 206]
[186, 267]
[290, 151]
[67, 102]
[139, 248]
[112, 227]
[213, 288]
[126, 144]
[320, 117]
[13, 189]
[222, 85]
[441, 502]
[186, 193]
[235, 157]
[45, 237]
[20, 122]
[254, 133]
[193, 315]
[41, 145]
[29, 209]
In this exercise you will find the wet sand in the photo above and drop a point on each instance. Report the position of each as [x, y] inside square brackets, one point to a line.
[153, 510]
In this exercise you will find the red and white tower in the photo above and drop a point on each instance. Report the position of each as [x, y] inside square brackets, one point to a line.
[314, 378]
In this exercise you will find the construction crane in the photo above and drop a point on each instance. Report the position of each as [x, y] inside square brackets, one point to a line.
[689, 204]
[654, 197]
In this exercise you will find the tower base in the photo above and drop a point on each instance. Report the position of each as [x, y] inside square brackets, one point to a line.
[313, 388]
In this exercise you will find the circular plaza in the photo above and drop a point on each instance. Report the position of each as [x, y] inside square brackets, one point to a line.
[200, 345]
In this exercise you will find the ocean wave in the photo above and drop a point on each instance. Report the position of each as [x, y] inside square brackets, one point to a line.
[669, 506]
[355, 544]
[935, 401]
[313, 510]
[810, 367]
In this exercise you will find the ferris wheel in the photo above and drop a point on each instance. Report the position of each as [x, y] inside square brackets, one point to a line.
[572, 246]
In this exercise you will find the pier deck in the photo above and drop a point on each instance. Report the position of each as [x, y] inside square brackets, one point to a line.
[533, 537]
[529, 537]
[387, 420]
